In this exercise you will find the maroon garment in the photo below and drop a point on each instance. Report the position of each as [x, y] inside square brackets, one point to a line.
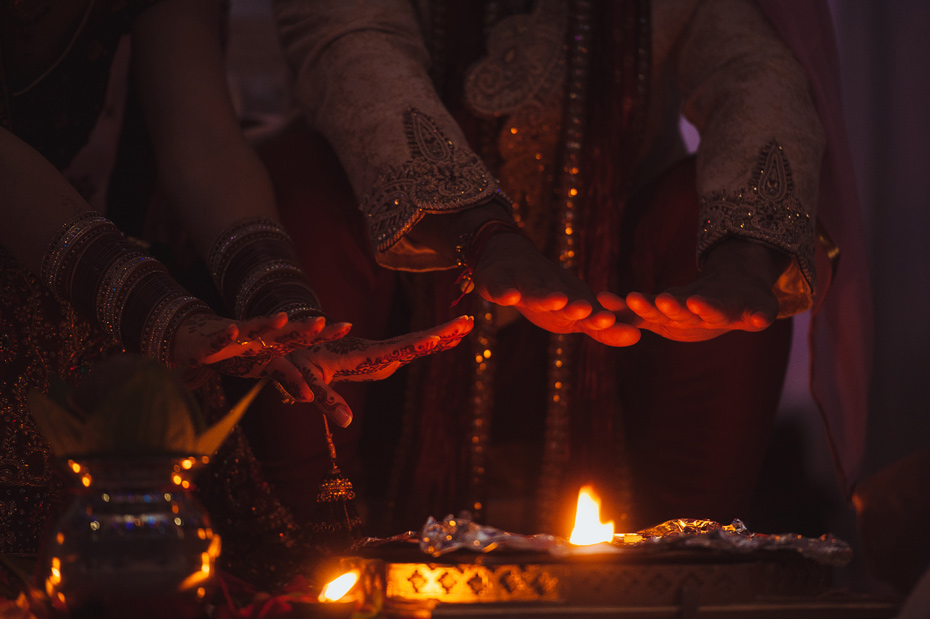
[842, 325]
[686, 422]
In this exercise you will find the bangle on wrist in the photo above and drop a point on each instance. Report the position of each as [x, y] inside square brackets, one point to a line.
[110, 280]
[254, 265]
[469, 248]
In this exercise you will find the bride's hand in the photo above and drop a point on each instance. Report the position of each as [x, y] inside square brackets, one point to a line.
[245, 347]
[356, 359]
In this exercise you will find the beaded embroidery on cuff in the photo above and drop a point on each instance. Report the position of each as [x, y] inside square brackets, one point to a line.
[768, 212]
[439, 177]
[254, 265]
[108, 278]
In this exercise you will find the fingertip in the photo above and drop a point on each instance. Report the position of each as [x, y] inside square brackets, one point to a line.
[602, 319]
[341, 416]
[636, 300]
[627, 335]
[760, 320]
[618, 335]
[611, 302]
[555, 301]
[698, 304]
[633, 335]
[337, 330]
[578, 310]
[464, 321]
[507, 298]
[666, 301]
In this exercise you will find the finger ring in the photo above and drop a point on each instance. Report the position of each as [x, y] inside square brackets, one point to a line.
[264, 345]
[243, 342]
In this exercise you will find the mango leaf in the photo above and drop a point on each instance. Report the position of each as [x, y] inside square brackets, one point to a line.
[210, 441]
[63, 431]
[148, 413]
[130, 406]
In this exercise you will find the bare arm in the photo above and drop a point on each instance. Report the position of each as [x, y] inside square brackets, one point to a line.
[209, 172]
[36, 201]
[758, 170]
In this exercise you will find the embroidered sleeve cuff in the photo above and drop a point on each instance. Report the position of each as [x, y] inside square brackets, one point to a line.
[438, 178]
[769, 212]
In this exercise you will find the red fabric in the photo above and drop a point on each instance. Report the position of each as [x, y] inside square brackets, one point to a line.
[698, 414]
[319, 210]
[842, 324]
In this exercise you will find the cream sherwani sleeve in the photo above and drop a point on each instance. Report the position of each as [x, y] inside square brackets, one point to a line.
[759, 159]
[362, 78]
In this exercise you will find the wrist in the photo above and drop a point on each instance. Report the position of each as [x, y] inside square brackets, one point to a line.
[110, 280]
[255, 267]
[735, 255]
[471, 247]
[443, 233]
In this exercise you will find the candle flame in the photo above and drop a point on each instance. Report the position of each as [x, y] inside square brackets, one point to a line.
[588, 526]
[337, 588]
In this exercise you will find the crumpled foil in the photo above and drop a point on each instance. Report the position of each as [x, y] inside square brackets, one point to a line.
[462, 533]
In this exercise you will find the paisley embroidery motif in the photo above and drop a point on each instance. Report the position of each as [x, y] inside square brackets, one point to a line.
[769, 212]
[438, 178]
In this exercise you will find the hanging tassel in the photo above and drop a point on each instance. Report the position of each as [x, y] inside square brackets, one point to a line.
[336, 523]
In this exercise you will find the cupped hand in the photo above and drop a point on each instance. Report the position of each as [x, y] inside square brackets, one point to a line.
[715, 303]
[734, 292]
[511, 272]
[356, 359]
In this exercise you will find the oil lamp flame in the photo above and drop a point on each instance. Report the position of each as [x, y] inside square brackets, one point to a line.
[588, 526]
[339, 587]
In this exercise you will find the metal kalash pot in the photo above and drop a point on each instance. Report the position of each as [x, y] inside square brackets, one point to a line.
[133, 542]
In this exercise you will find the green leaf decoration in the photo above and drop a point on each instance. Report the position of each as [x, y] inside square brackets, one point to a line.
[144, 410]
[210, 441]
[63, 431]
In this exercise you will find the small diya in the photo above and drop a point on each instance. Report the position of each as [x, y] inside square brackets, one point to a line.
[681, 568]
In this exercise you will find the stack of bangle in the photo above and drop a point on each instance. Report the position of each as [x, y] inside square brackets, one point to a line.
[469, 248]
[110, 280]
[254, 265]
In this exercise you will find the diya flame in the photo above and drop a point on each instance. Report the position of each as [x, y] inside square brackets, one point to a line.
[336, 589]
[588, 526]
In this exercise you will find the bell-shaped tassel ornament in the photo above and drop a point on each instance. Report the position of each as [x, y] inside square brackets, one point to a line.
[336, 523]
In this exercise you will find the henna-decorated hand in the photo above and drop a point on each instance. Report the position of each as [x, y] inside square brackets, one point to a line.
[356, 359]
[243, 347]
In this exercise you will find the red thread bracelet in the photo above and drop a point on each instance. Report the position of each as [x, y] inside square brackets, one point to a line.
[470, 246]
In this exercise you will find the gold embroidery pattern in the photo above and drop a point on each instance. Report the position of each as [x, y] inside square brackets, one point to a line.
[525, 61]
[523, 79]
[438, 178]
[769, 212]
